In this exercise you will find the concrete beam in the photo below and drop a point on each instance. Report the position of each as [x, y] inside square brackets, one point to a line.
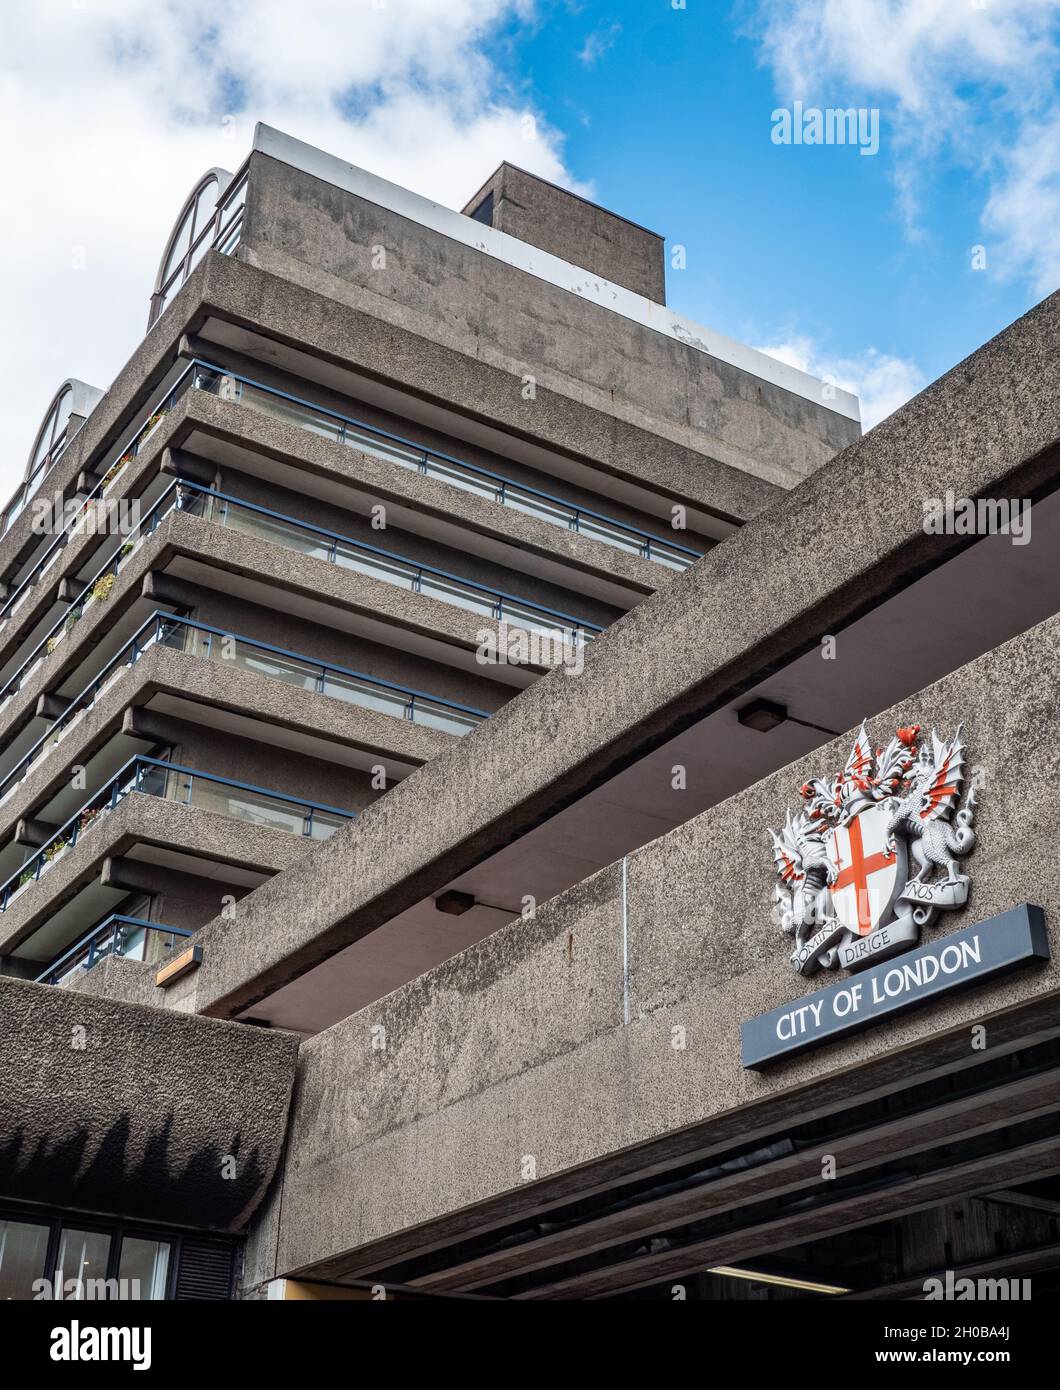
[555, 1037]
[753, 604]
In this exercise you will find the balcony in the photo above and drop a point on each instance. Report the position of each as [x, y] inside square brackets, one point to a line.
[190, 787]
[431, 463]
[262, 658]
[319, 543]
[117, 935]
[133, 444]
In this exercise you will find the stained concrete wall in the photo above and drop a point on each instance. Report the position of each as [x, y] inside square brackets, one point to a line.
[574, 229]
[753, 604]
[314, 235]
[554, 1038]
[114, 1108]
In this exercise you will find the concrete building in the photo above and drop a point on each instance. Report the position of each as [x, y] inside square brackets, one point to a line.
[404, 662]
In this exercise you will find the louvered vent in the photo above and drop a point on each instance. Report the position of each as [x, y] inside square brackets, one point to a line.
[207, 1271]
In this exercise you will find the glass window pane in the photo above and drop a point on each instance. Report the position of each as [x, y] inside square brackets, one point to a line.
[180, 245]
[382, 448]
[610, 535]
[201, 248]
[23, 1248]
[62, 413]
[234, 199]
[83, 1257]
[44, 443]
[458, 477]
[378, 566]
[451, 591]
[143, 1266]
[205, 205]
[375, 697]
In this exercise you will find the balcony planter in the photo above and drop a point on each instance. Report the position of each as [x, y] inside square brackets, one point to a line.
[112, 473]
[88, 819]
[101, 589]
[54, 852]
[26, 881]
[152, 425]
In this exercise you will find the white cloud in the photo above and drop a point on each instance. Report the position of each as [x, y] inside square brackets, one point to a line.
[880, 381]
[599, 42]
[970, 82]
[111, 110]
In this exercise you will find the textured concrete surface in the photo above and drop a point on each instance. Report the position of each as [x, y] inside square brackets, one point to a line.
[141, 819]
[388, 483]
[520, 1045]
[576, 230]
[226, 549]
[78, 553]
[680, 460]
[320, 238]
[760, 599]
[212, 685]
[112, 1108]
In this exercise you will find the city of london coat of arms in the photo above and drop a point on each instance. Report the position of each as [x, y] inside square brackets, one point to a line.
[873, 855]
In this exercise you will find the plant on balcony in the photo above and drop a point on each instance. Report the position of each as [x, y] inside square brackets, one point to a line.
[26, 878]
[53, 642]
[115, 468]
[55, 849]
[152, 424]
[87, 817]
[102, 587]
[74, 616]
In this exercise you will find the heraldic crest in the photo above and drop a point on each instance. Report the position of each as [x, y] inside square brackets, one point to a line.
[844, 860]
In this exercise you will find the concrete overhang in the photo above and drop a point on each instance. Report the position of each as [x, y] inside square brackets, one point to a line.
[149, 1115]
[521, 255]
[355, 352]
[180, 685]
[848, 547]
[240, 437]
[287, 212]
[556, 1038]
[72, 894]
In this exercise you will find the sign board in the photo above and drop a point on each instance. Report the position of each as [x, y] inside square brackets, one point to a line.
[967, 957]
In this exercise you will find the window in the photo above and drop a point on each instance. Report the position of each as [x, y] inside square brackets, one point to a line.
[195, 231]
[52, 430]
[144, 1266]
[23, 1250]
[98, 1259]
[83, 1256]
[484, 211]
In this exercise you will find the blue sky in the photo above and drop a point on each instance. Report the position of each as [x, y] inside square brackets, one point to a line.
[668, 114]
[852, 267]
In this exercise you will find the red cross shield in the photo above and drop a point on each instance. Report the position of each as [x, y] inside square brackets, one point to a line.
[868, 879]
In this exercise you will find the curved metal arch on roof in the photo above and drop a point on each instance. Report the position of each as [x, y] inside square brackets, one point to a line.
[190, 223]
[73, 398]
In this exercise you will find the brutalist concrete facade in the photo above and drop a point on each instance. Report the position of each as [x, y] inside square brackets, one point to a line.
[262, 772]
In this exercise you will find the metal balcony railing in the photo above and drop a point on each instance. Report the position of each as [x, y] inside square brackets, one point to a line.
[469, 477]
[316, 541]
[247, 653]
[117, 935]
[191, 787]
